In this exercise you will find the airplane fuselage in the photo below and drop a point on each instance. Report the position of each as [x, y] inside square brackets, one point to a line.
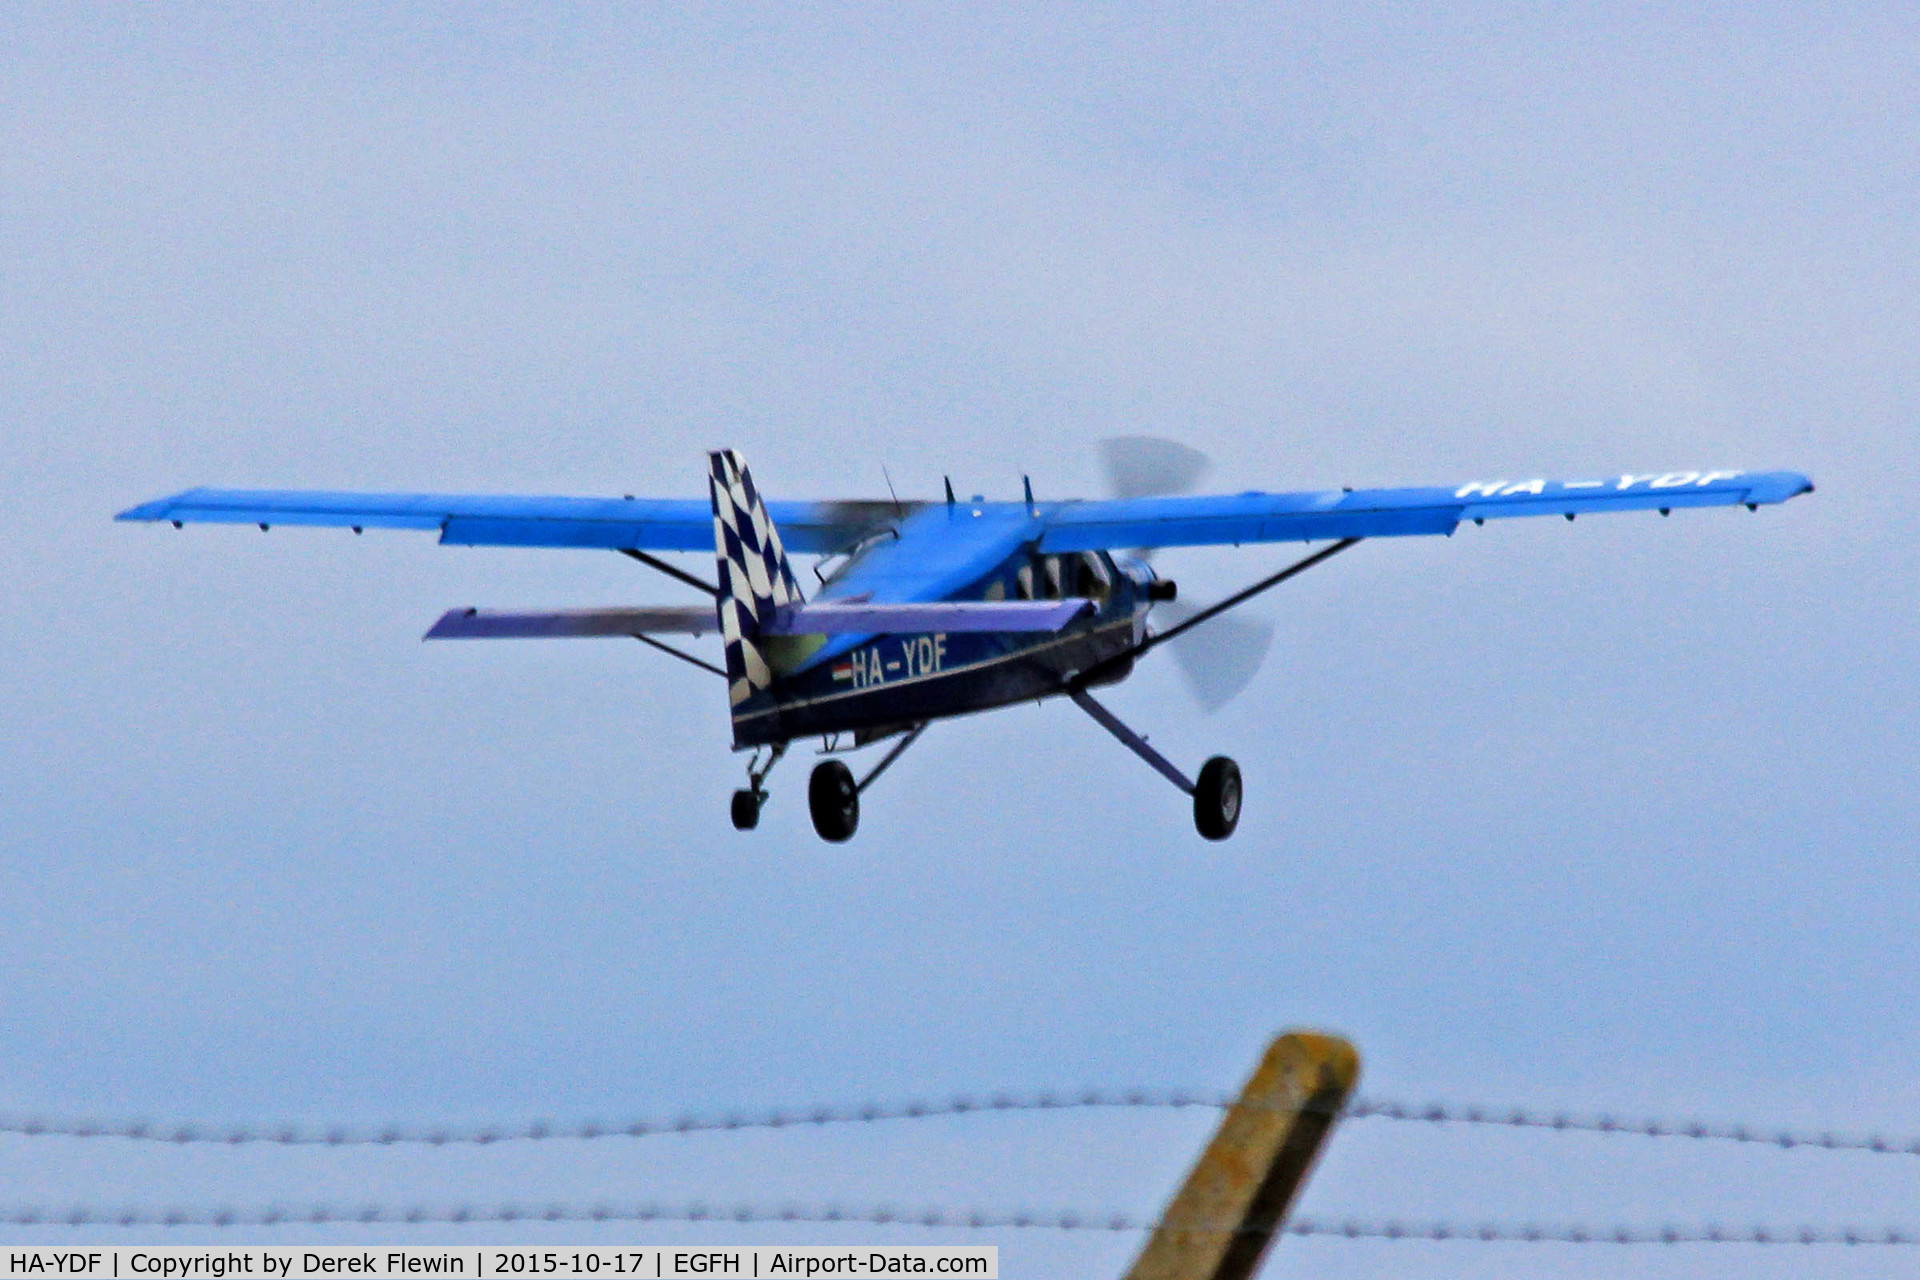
[883, 682]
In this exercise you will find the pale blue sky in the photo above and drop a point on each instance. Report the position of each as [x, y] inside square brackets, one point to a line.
[1617, 814]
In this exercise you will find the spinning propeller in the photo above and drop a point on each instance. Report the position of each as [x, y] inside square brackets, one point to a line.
[1220, 658]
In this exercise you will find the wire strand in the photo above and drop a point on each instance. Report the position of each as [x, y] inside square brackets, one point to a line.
[1064, 1220]
[1435, 1113]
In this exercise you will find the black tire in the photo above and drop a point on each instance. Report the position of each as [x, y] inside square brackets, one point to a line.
[833, 801]
[746, 811]
[1216, 799]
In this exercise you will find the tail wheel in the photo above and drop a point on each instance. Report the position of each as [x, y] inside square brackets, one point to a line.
[1216, 799]
[746, 810]
[834, 801]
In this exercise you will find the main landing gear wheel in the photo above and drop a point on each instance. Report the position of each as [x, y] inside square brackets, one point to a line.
[834, 801]
[1216, 798]
[746, 810]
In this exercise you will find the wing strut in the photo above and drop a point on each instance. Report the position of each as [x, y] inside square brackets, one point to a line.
[672, 571]
[682, 655]
[1105, 666]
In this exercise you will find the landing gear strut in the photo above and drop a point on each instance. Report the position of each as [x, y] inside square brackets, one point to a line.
[747, 801]
[1216, 796]
[833, 797]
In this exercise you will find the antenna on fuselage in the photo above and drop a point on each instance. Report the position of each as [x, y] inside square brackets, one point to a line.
[897, 509]
[1026, 485]
[948, 480]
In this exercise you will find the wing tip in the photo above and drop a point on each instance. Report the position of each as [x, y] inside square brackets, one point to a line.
[155, 510]
[1780, 486]
[447, 625]
[159, 508]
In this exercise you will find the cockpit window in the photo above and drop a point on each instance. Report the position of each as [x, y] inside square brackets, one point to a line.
[1095, 582]
[832, 567]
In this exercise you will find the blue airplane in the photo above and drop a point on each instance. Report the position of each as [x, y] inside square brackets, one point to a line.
[925, 610]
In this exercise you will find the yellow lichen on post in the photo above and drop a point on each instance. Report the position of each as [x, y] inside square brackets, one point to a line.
[1219, 1225]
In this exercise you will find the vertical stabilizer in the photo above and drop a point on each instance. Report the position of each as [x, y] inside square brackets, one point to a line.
[755, 578]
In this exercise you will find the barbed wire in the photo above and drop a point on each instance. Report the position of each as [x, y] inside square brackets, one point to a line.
[1434, 1113]
[1603, 1123]
[941, 1219]
[1354, 1229]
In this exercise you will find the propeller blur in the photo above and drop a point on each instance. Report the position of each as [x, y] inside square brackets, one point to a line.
[1220, 660]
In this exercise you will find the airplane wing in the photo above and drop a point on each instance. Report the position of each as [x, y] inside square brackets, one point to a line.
[1382, 513]
[638, 524]
[656, 524]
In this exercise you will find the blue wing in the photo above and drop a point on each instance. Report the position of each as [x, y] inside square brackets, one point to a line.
[639, 524]
[1385, 513]
[655, 524]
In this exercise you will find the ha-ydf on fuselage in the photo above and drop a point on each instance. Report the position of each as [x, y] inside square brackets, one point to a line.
[929, 610]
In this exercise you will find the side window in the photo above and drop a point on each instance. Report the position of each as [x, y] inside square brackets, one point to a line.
[996, 590]
[1023, 582]
[1054, 584]
[1094, 582]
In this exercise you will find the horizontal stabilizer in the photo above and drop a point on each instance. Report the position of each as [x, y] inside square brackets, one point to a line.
[833, 617]
[482, 624]
[508, 520]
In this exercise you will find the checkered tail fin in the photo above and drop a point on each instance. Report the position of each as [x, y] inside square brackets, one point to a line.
[755, 578]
